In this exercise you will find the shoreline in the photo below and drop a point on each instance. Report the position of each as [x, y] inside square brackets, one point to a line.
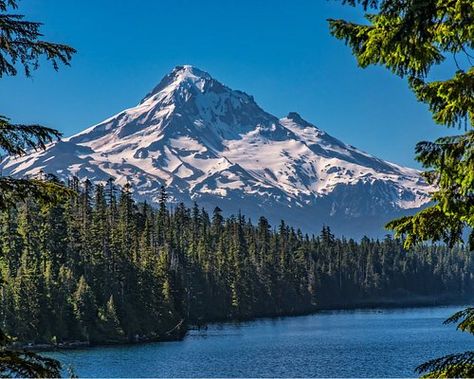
[382, 305]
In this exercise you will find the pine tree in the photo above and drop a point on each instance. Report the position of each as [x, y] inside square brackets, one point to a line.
[410, 38]
[22, 46]
[85, 309]
[110, 324]
[26, 302]
[162, 219]
[61, 322]
[202, 270]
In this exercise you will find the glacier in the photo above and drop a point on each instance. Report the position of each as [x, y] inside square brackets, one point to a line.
[209, 144]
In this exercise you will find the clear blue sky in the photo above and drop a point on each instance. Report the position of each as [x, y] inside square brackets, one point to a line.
[278, 51]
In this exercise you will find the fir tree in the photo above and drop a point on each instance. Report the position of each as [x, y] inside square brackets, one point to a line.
[410, 38]
[21, 45]
[110, 324]
[85, 309]
[117, 281]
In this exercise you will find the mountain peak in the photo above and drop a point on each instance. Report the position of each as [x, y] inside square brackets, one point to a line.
[211, 144]
[189, 71]
[184, 75]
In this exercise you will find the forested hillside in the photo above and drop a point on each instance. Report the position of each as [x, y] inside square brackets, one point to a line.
[101, 268]
[217, 146]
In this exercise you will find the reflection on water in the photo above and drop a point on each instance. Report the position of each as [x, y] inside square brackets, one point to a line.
[360, 343]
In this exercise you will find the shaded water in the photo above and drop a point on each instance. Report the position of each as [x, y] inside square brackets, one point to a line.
[359, 343]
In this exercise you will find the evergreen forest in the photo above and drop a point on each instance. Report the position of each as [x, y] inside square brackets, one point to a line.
[99, 267]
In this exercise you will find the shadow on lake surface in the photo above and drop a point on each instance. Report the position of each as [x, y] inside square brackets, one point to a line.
[352, 343]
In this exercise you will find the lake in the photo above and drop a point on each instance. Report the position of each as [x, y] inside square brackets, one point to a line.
[356, 343]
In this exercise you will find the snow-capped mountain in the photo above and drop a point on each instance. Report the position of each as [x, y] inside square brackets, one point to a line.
[208, 143]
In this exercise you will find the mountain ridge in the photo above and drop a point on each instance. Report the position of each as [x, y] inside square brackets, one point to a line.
[208, 143]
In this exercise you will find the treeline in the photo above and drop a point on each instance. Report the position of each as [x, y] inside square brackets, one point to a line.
[100, 267]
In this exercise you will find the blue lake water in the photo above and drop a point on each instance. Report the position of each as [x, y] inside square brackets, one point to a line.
[359, 343]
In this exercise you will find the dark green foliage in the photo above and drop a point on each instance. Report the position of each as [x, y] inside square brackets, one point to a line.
[24, 364]
[452, 160]
[14, 364]
[410, 37]
[85, 308]
[454, 365]
[110, 323]
[465, 319]
[450, 101]
[101, 268]
[14, 190]
[450, 366]
[17, 139]
[21, 45]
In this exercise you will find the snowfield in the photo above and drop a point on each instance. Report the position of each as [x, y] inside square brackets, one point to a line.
[208, 143]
